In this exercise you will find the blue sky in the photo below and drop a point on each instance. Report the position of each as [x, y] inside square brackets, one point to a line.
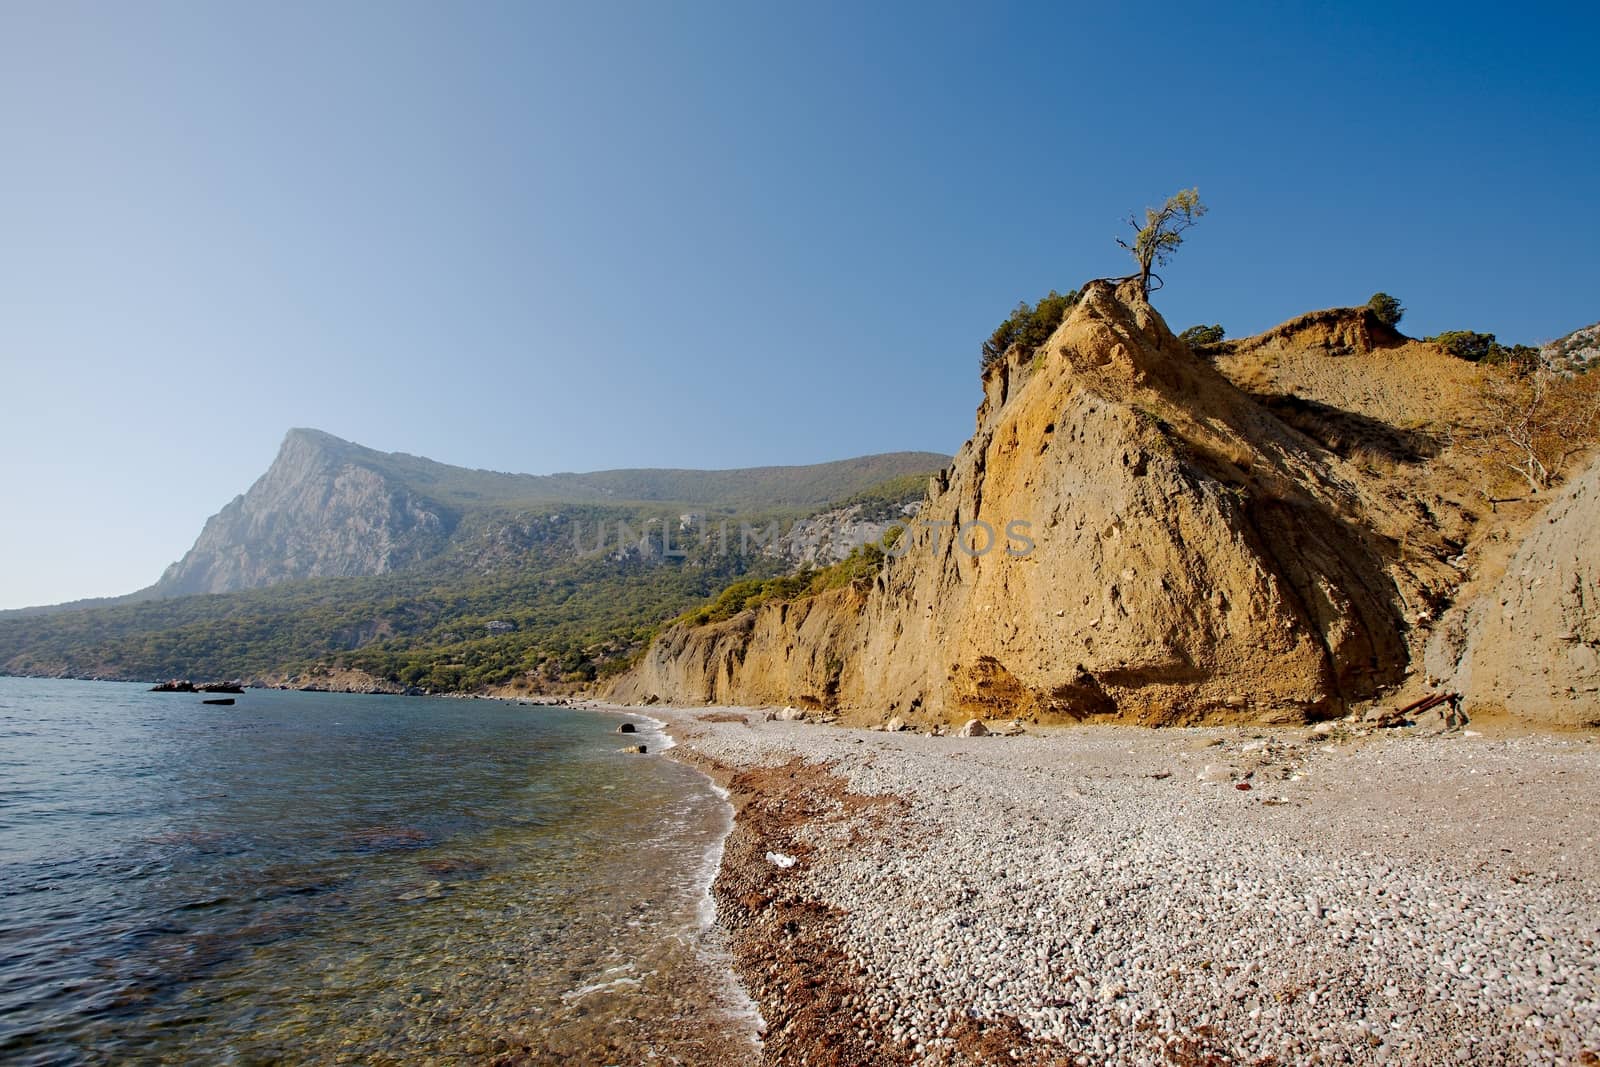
[541, 237]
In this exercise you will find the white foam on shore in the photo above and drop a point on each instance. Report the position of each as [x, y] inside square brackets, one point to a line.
[743, 1011]
[743, 1007]
[659, 728]
[574, 995]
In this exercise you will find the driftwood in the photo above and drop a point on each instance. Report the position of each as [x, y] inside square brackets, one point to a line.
[1429, 702]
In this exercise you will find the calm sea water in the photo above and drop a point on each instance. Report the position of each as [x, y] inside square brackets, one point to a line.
[320, 878]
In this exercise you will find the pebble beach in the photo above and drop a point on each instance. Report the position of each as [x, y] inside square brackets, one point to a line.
[1110, 895]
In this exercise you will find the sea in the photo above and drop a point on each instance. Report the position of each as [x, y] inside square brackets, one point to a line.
[334, 878]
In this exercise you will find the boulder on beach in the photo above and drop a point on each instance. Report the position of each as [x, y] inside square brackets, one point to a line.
[974, 728]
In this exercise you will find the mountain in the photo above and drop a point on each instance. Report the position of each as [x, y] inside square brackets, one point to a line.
[330, 508]
[1262, 535]
[347, 567]
[323, 509]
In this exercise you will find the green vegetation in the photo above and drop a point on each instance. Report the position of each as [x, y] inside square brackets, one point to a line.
[1485, 348]
[887, 500]
[1027, 326]
[572, 621]
[1159, 236]
[1195, 336]
[863, 564]
[1386, 309]
[1466, 344]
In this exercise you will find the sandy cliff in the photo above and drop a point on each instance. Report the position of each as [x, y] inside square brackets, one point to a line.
[1126, 535]
[1530, 643]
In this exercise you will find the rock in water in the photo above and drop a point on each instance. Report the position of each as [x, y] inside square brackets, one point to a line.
[627, 728]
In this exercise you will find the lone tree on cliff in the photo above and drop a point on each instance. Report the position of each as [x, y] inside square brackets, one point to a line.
[1158, 237]
[1388, 310]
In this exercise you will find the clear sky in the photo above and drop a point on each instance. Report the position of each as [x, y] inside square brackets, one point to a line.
[541, 236]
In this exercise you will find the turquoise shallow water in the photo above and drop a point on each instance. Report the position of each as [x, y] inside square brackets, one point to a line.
[310, 877]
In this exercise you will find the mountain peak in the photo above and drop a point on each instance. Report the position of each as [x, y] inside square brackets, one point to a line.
[304, 439]
[315, 513]
[310, 435]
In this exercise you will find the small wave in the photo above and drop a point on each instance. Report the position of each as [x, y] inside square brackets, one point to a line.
[742, 1007]
[572, 996]
[659, 728]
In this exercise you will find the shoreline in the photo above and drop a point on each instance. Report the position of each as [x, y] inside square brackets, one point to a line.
[1110, 894]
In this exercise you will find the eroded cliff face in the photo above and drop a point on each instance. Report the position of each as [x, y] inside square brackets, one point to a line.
[1530, 644]
[315, 513]
[1192, 558]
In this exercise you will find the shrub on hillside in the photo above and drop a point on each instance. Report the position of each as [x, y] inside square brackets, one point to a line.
[1466, 344]
[1029, 326]
[1485, 348]
[863, 564]
[1195, 336]
[1386, 309]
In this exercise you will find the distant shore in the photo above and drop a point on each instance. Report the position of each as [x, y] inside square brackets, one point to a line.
[1119, 895]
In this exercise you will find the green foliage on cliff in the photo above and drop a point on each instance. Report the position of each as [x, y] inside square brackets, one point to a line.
[1195, 336]
[863, 564]
[1486, 348]
[1029, 325]
[1386, 309]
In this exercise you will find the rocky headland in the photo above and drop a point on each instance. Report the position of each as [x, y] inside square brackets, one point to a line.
[1264, 531]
